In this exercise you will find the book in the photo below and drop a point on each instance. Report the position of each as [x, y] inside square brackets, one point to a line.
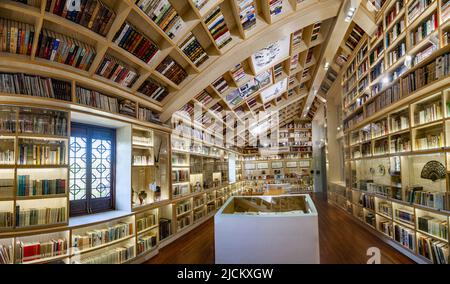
[156, 91]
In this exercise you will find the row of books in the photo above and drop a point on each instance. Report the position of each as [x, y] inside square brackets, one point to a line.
[145, 222]
[94, 15]
[428, 113]
[163, 14]
[247, 13]
[146, 243]
[395, 10]
[399, 123]
[400, 144]
[193, 50]
[93, 238]
[427, 74]
[28, 187]
[395, 32]
[416, 7]
[434, 250]
[204, 98]
[154, 90]
[133, 41]
[424, 29]
[404, 216]
[50, 153]
[7, 120]
[24, 84]
[146, 114]
[172, 70]
[180, 189]
[183, 207]
[43, 122]
[140, 160]
[28, 251]
[116, 255]
[430, 141]
[376, 53]
[6, 219]
[142, 141]
[16, 37]
[404, 236]
[384, 99]
[96, 99]
[6, 187]
[40, 216]
[217, 26]
[430, 199]
[433, 226]
[180, 176]
[396, 53]
[184, 222]
[7, 157]
[117, 71]
[385, 208]
[64, 49]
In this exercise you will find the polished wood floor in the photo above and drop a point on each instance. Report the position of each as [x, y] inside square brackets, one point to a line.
[342, 240]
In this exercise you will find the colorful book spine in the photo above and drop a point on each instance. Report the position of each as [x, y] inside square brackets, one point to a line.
[117, 71]
[217, 26]
[16, 37]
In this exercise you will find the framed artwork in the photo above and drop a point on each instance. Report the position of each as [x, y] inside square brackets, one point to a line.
[274, 91]
[267, 57]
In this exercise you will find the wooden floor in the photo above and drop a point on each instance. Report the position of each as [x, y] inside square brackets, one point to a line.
[342, 240]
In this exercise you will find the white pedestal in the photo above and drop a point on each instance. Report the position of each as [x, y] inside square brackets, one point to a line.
[269, 238]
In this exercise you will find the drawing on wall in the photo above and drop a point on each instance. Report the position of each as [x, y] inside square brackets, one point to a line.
[269, 55]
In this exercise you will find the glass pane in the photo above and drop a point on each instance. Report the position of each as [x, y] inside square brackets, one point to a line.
[77, 174]
[101, 168]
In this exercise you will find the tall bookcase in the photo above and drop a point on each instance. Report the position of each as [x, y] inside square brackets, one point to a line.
[396, 130]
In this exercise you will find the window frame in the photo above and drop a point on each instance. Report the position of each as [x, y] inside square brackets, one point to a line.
[91, 205]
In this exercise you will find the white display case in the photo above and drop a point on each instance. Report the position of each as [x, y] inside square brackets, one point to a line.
[267, 229]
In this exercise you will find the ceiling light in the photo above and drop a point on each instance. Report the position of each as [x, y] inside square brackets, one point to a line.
[327, 65]
[385, 80]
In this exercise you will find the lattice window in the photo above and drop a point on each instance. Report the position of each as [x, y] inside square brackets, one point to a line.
[91, 169]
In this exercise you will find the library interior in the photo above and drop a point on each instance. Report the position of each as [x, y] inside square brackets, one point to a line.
[224, 131]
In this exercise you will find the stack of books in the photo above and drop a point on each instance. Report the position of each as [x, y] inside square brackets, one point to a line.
[136, 43]
[221, 85]
[316, 30]
[204, 97]
[16, 37]
[117, 71]
[172, 70]
[24, 84]
[193, 50]
[238, 72]
[276, 7]
[163, 14]
[146, 114]
[95, 99]
[127, 107]
[215, 22]
[94, 15]
[66, 50]
[154, 90]
[247, 13]
[40, 216]
[51, 123]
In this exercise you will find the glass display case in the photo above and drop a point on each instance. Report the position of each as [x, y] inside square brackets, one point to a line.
[246, 224]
